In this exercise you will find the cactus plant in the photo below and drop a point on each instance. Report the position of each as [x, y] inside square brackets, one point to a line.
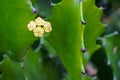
[33, 35]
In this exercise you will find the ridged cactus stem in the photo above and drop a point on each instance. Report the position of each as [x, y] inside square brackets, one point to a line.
[82, 34]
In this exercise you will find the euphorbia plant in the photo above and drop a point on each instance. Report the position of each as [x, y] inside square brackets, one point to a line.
[75, 28]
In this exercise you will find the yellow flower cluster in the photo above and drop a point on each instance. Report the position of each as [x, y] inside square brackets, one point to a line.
[39, 27]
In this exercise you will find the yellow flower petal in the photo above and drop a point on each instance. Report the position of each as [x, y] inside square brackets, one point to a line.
[31, 26]
[38, 32]
[47, 27]
[39, 21]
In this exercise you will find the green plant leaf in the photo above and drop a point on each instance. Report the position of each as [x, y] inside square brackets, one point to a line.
[10, 70]
[94, 27]
[15, 37]
[33, 65]
[32, 68]
[66, 34]
[65, 37]
[38, 68]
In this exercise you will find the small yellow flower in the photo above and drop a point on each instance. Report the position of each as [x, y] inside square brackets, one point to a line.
[31, 26]
[39, 27]
[47, 27]
[39, 21]
[38, 32]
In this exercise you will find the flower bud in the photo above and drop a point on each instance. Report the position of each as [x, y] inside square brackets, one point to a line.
[39, 21]
[31, 26]
[38, 32]
[47, 27]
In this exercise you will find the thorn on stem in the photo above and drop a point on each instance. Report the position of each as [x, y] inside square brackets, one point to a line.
[51, 3]
[83, 22]
[84, 72]
[34, 10]
[81, 0]
[102, 8]
[83, 49]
